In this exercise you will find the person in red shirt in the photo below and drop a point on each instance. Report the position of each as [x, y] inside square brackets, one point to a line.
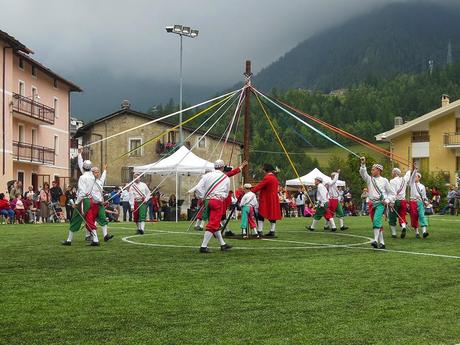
[269, 205]
[5, 208]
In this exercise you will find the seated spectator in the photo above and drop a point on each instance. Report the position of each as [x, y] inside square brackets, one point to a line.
[19, 209]
[5, 209]
[112, 213]
[29, 191]
[429, 210]
[31, 209]
[309, 211]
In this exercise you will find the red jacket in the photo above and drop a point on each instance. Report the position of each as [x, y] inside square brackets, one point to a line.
[269, 204]
[233, 172]
[4, 204]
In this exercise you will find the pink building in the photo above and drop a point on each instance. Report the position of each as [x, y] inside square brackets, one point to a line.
[35, 118]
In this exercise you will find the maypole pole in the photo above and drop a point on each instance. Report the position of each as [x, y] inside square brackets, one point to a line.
[247, 123]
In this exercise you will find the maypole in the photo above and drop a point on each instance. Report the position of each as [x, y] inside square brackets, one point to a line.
[247, 123]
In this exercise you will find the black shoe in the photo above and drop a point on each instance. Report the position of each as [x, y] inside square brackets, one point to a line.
[204, 250]
[95, 244]
[255, 235]
[229, 233]
[108, 237]
[245, 237]
[140, 232]
[343, 228]
[425, 234]
[326, 228]
[417, 235]
[270, 234]
[375, 245]
[260, 234]
[88, 238]
[382, 246]
[198, 228]
[403, 232]
[310, 228]
[66, 243]
[394, 236]
[334, 229]
[225, 247]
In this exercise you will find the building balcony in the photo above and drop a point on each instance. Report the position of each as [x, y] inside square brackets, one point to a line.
[32, 111]
[452, 140]
[30, 153]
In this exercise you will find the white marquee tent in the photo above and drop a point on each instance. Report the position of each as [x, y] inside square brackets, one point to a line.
[183, 162]
[309, 179]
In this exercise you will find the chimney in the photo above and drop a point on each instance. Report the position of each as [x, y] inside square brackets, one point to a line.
[445, 100]
[398, 121]
[125, 104]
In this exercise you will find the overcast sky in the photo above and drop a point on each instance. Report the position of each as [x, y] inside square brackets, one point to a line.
[128, 37]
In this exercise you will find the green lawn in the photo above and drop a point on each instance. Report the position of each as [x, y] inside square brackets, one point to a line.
[301, 288]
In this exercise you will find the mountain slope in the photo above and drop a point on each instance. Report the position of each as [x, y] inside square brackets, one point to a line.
[396, 38]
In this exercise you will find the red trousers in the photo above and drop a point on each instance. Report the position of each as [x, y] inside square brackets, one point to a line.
[402, 211]
[252, 219]
[91, 215]
[20, 214]
[216, 210]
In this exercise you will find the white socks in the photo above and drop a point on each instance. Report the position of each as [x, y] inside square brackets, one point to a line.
[206, 237]
[272, 227]
[94, 234]
[403, 225]
[104, 230]
[393, 230]
[142, 224]
[416, 231]
[199, 223]
[423, 229]
[331, 221]
[219, 237]
[376, 235]
[243, 231]
[313, 224]
[381, 238]
[254, 231]
[260, 225]
[70, 237]
[87, 233]
[341, 222]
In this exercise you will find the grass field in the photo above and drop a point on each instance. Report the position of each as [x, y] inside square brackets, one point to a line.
[300, 288]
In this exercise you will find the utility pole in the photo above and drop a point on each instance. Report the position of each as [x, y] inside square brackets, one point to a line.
[247, 123]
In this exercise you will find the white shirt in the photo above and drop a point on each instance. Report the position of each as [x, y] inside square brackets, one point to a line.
[249, 199]
[213, 185]
[399, 185]
[85, 186]
[322, 196]
[138, 192]
[124, 195]
[98, 188]
[300, 199]
[332, 187]
[379, 188]
[417, 190]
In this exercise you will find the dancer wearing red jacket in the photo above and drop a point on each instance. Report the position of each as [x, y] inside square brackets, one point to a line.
[269, 205]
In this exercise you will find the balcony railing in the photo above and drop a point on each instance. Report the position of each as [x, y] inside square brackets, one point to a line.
[452, 139]
[26, 152]
[33, 109]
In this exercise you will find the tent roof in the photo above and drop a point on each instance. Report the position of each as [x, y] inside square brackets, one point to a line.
[182, 162]
[309, 179]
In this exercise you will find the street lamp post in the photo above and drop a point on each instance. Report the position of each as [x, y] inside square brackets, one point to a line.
[182, 31]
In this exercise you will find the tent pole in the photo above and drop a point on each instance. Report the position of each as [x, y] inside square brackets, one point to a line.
[177, 200]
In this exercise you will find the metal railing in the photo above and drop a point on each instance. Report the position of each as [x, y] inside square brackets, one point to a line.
[33, 153]
[33, 109]
[452, 139]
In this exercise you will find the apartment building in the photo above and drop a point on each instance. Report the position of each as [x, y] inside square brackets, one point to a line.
[35, 118]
